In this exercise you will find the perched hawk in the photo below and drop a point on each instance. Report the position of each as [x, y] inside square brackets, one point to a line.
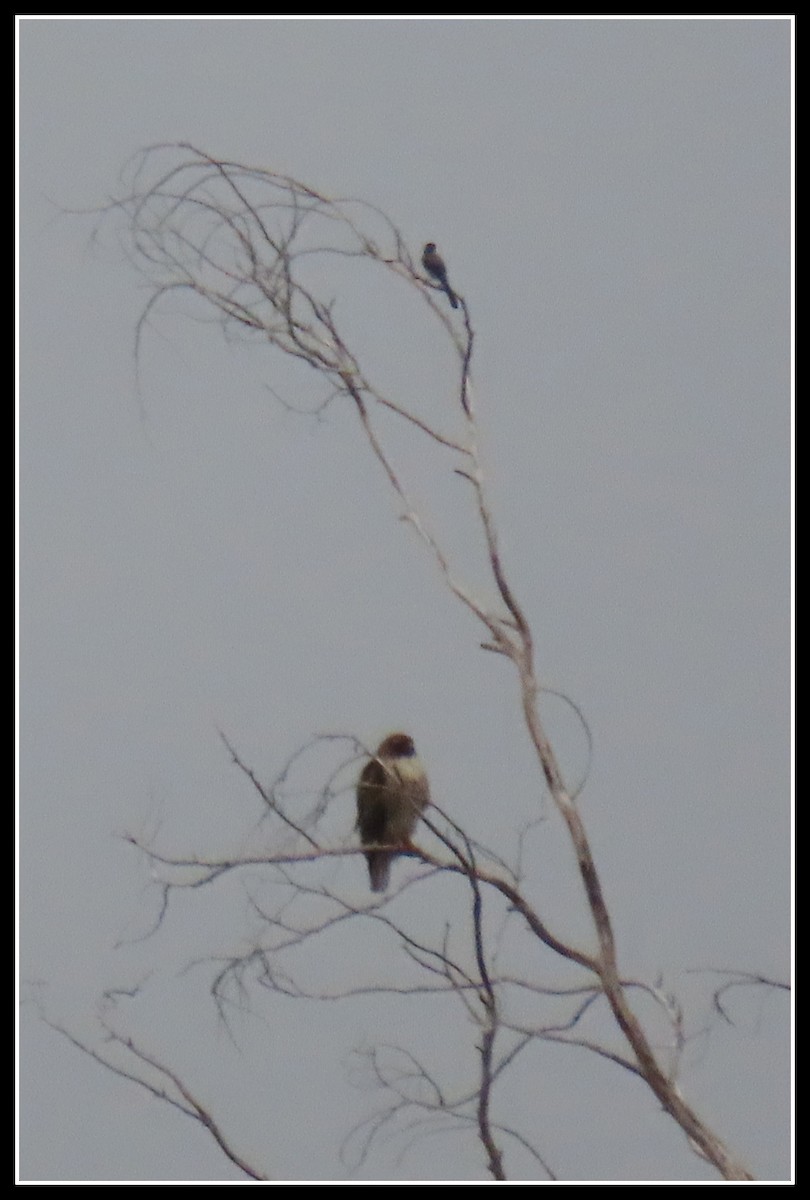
[391, 793]
[434, 265]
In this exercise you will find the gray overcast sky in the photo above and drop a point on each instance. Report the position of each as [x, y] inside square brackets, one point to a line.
[612, 198]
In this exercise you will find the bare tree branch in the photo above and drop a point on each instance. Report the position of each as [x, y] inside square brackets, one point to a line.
[187, 1103]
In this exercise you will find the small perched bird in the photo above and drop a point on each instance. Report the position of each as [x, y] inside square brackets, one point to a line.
[434, 265]
[391, 794]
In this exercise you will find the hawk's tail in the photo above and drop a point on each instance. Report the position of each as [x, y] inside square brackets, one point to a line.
[379, 868]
